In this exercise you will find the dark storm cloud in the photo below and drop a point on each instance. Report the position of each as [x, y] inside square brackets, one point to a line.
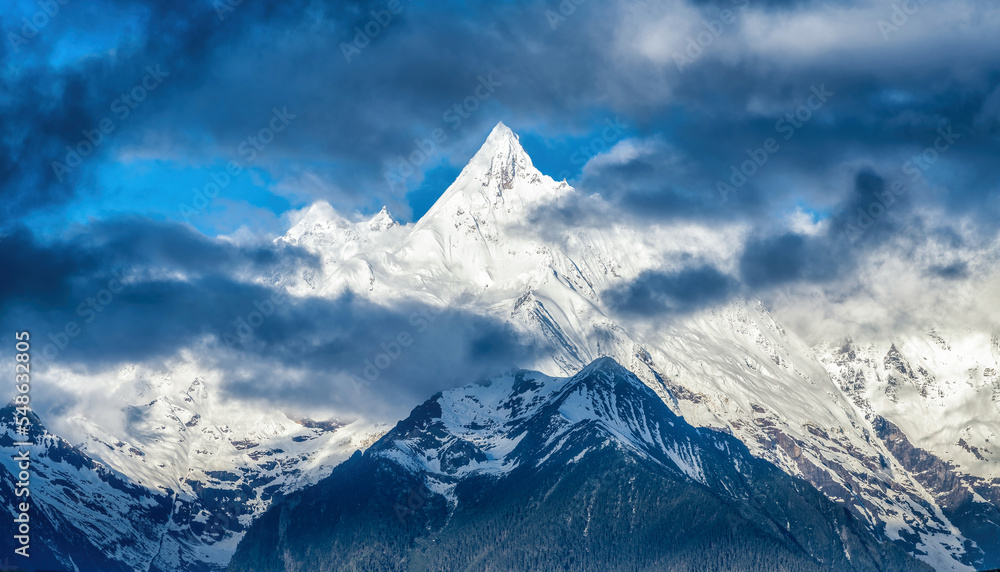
[48, 108]
[776, 257]
[771, 260]
[953, 271]
[128, 289]
[878, 212]
[48, 276]
[225, 72]
[680, 175]
[679, 292]
[787, 257]
[351, 354]
[134, 290]
[358, 117]
[889, 99]
[39, 275]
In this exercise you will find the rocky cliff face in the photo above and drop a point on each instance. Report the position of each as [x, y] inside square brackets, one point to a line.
[941, 386]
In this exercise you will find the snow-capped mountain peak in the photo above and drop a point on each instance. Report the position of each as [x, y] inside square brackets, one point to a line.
[382, 221]
[322, 219]
[500, 178]
[501, 159]
[335, 238]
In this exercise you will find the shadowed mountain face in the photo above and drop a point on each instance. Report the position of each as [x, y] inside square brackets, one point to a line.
[529, 472]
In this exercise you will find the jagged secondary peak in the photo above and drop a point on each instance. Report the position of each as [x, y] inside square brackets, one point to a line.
[319, 216]
[382, 220]
[322, 229]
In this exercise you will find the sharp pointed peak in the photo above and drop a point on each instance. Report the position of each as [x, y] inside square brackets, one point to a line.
[501, 141]
[500, 173]
[501, 158]
[501, 130]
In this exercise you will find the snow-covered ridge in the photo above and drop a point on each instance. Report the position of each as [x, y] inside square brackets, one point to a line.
[484, 428]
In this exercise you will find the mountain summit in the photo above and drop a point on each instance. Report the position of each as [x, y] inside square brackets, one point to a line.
[500, 177]
[501, 160]
[473, 228]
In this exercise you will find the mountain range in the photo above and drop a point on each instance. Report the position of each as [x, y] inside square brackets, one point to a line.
[529, 472]
[711, 417]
